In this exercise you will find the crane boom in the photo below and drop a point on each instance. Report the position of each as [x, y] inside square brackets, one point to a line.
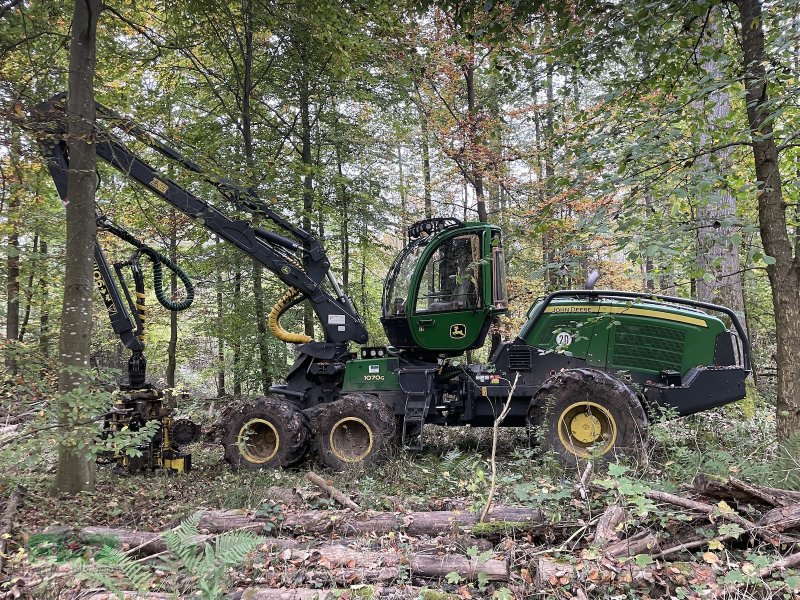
[300, 263]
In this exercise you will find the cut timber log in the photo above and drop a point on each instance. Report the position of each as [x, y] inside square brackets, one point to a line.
[146, 542]
[376, 592]
[143, 542]
[7, 524]
[347, 523]
[107, 595]
[346, 565]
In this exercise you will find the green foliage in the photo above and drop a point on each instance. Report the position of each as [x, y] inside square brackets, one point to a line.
[112, 569]
[208, 563]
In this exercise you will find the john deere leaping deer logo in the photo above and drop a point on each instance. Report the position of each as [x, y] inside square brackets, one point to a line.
[458, 331]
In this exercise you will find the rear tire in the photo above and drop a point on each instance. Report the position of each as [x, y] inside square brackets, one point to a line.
[265, 434]
[356, 430]
[587, 414]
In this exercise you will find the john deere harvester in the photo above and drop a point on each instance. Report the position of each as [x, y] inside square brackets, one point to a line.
[587, 370]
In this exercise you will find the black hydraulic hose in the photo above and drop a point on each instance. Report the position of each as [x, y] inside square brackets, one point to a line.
[156, 258]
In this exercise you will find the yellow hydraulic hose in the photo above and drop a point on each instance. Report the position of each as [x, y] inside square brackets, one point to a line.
[273, 320]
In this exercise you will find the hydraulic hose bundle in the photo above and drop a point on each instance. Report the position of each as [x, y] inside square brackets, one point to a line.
[156, 259]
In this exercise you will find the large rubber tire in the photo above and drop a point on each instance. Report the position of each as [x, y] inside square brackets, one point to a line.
[266, 433]
[356, 430]
[587, 414]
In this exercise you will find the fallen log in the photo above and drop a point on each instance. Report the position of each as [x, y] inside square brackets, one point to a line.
[346, 565]
[744, 492]
[347, 523]
[331, 561]
[99, 594]
[787, 562]
[7, 524]
[782, 518]
[643, 542]
[147, 542]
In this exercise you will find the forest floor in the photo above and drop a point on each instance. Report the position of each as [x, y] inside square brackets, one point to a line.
[682, 521]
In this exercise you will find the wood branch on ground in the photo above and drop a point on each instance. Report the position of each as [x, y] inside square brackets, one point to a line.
[768, 535]
[7, 524]
[593, 576]
[331, 491]
[606, 530]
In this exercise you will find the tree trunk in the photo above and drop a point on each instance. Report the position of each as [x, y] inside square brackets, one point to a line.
[12, 251]
[44, 297]
[237, 340]
[344, 224]
[476, 167]
[426, 163]
[247, 138]
[308, 180]
[34, 262]
[784, 275]
[717, 257]
[76, 471]
[172, 345]
[221, 391]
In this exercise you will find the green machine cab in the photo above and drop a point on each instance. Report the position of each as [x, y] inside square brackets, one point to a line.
[444, 288]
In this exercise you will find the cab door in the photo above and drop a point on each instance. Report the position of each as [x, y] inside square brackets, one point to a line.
[450, 313]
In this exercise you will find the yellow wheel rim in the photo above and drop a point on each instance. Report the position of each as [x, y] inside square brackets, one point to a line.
[351, 440]
[258, 441]
[587, 429]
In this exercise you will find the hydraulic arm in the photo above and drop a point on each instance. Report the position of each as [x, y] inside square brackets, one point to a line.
[301, 263]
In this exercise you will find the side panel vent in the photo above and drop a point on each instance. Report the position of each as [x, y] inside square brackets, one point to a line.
[519, 358]
[647, 347]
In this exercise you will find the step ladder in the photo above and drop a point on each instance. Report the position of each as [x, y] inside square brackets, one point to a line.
[417, 385]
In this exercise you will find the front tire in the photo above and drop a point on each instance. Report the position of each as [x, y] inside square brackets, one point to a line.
[356, 430]
[587, 414]
[265, 434]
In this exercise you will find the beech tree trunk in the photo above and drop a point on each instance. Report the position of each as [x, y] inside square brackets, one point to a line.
[12, 251]
[172, 345]
[784, 273]
[717, 255]
[76, 470]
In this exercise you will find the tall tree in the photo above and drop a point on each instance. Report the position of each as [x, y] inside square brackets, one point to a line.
[784, 272]
[76, 471]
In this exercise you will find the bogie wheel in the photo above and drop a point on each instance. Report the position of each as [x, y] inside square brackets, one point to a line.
[265, 434]
[356, 430]
[587, 414]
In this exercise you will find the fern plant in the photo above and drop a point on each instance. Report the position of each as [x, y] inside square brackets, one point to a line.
[112, 567]
[208, 564]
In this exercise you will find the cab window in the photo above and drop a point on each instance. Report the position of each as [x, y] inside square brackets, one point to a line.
[451, 279]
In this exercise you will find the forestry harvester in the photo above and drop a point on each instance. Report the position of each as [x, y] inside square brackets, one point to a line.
[587, 370]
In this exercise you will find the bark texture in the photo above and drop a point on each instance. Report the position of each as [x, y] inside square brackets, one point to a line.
[784, 274]
[75, 466]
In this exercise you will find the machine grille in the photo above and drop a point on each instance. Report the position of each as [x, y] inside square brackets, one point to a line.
[519, 358]
[647, 347]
